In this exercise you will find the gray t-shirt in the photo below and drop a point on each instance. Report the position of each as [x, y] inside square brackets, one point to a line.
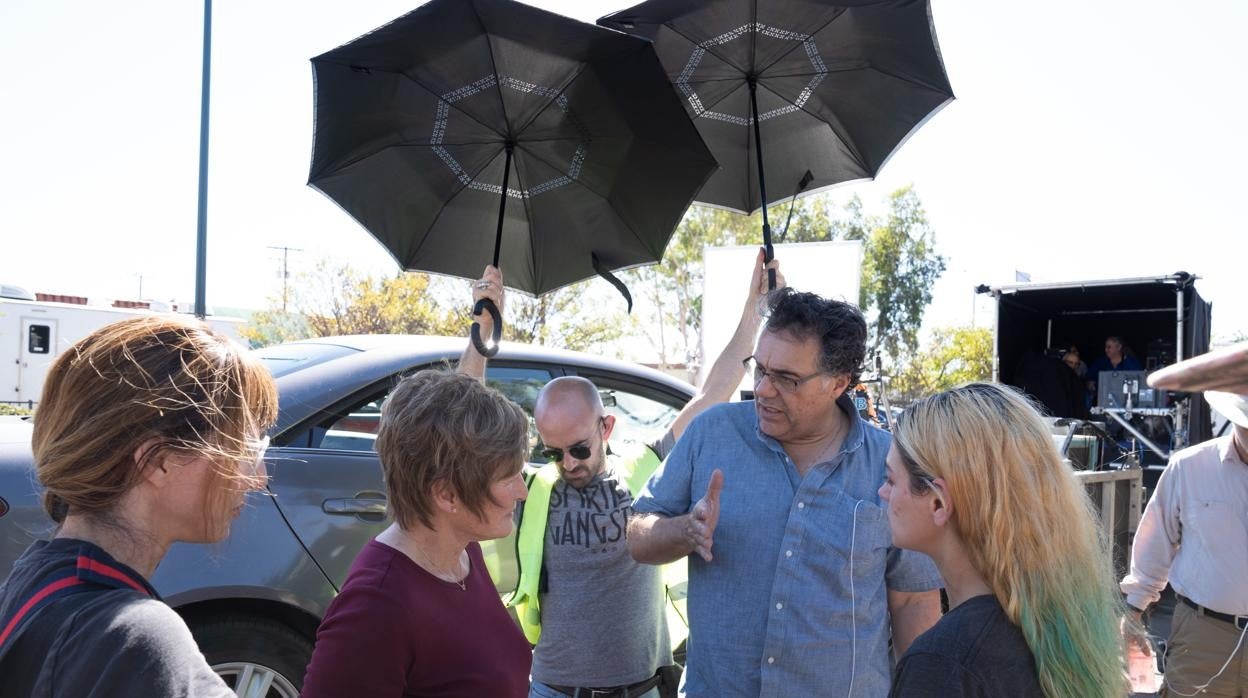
[602, 612]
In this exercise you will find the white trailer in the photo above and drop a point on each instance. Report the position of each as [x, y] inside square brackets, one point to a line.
[33, 333]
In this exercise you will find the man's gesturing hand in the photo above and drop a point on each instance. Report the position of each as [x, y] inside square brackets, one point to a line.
[700, 526]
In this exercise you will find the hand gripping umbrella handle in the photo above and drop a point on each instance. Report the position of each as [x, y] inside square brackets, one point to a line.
[482, 349]
[768, 255]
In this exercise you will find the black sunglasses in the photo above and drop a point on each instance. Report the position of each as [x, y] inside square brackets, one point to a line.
[555, 455]
[580, 451]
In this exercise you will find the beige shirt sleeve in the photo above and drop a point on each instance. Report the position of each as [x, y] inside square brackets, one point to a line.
[1194, 533]
[1156, 542]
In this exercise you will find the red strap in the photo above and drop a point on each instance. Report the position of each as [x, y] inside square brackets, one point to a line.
[86, 567]
[34, 600]
[86, 563]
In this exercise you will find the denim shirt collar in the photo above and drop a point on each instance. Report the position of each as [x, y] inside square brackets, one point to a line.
[853, 438]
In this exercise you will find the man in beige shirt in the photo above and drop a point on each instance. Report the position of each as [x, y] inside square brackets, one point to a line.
[1194, 535]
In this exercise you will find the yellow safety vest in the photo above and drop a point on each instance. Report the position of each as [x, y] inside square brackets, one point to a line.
[634, 463]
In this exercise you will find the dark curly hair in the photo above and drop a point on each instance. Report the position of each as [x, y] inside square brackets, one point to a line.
[840, 328]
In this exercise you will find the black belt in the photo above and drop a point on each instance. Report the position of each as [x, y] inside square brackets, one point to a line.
[630, 691]
[1238, 621]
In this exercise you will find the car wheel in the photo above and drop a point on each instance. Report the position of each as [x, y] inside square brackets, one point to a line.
[258, 657]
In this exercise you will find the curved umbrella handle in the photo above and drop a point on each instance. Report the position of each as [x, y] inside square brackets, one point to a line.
[482, 349]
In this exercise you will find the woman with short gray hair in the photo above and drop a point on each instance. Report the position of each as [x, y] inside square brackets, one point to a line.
[419, 614]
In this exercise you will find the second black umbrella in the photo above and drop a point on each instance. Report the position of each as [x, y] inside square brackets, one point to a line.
[803, 93]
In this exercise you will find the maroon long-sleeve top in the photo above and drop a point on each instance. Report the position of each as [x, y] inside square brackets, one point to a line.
[397, 630]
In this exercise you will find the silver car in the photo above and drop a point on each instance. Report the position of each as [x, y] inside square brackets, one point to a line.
[254, 600]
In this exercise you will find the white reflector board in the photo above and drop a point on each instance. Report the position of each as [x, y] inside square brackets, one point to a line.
[830, 269]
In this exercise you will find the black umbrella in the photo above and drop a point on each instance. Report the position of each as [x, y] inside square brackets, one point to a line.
[810, 93]
[424, 123]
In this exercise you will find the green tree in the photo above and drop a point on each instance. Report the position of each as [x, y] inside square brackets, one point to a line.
[953, 356]
[338, 300]
[569, 318]
[900, 264]
[899, 268]
[673, 288]
[274, 326]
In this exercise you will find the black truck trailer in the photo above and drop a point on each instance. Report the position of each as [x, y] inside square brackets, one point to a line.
[1159, 319]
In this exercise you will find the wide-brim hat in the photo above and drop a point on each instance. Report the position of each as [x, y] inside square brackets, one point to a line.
[1224, 369]
[1233, 407]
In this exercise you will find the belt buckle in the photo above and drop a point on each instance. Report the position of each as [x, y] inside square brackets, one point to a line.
[607, 693]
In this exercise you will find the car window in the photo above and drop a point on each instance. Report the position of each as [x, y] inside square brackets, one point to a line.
[643, 410]
[521, 385]
[357, 430]
[638, 418]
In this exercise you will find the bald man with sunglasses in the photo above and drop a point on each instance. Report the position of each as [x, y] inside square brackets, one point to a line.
[596, 616]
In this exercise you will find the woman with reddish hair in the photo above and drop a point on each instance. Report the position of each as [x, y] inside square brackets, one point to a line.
[150, 431]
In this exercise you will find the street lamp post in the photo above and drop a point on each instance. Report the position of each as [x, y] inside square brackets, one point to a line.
[201, 233]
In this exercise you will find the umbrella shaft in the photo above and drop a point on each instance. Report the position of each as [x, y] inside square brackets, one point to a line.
[502, 207]
[762, 181]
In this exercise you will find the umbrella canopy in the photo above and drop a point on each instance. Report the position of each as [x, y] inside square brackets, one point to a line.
[832, 88]
[424, 123]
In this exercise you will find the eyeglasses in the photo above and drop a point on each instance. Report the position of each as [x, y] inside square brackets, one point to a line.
[580, 451]
[784, 382]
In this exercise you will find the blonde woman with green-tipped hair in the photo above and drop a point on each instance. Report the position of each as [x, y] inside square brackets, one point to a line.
[975, 482]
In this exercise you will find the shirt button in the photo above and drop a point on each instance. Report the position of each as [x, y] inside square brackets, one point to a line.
[771, 660]
[788, 553]
[779, 607]
[801, 505]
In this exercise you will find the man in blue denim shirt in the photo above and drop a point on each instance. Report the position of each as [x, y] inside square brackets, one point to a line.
[796, 584]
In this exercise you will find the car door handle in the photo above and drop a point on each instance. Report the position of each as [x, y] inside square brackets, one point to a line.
[354, 506]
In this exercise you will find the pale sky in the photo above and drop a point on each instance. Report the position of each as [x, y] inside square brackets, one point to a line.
[1092, 139]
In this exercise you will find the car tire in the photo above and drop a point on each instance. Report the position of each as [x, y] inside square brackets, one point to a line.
[263, 657]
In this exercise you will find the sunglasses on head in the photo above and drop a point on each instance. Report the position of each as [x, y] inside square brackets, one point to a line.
[579, 452]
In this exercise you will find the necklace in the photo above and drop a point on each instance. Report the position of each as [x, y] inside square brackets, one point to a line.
[444, 575]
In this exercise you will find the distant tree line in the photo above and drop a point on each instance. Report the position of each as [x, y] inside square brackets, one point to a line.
[900, 267]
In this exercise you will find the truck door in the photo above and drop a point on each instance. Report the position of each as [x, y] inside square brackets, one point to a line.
[38, 348]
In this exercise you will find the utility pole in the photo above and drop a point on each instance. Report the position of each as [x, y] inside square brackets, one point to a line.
[201, 233]
[285, 269]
